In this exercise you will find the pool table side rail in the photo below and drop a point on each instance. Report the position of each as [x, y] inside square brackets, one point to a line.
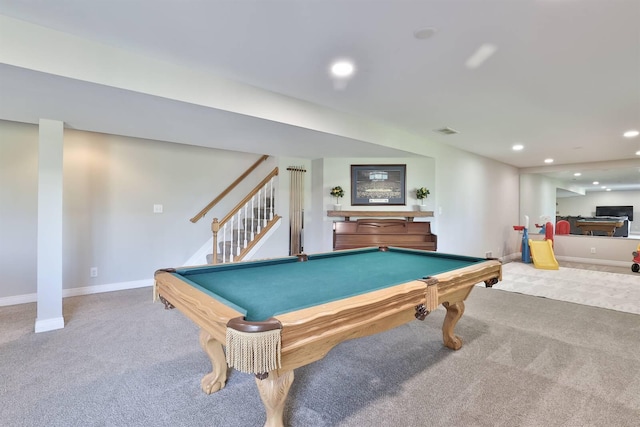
[391, 248]
[454, 283]
[236, 265]
[309, 334]
[204, 310]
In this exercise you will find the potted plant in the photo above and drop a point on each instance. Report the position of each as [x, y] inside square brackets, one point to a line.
[421, 194]
[337, 192]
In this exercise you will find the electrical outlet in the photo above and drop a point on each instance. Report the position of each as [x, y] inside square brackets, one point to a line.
[158, 208]
[93, 272]
[488, 254]
[593, 250]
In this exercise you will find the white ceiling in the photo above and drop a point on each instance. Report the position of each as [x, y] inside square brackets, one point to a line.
[564, 80]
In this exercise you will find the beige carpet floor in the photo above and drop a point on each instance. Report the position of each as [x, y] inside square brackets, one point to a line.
[604, 289]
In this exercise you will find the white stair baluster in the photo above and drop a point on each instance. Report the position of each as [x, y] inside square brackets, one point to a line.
[258, 219]
[253, 216]
[238, 231]
[264, 213]
[224, 246]
[244, 226]
[231, 241]
[271, 200]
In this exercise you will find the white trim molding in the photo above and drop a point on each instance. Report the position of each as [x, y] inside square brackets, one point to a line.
[47, 325]
[73, 292]
[18, 299]
[608, 262]
[98, 289]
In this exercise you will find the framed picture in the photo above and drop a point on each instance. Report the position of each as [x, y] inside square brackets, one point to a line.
[378, 185]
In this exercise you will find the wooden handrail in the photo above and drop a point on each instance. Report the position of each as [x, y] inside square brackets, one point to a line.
[215, 201]
[248, 197]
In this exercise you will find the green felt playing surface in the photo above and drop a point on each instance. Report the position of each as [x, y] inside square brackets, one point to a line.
[266, 288]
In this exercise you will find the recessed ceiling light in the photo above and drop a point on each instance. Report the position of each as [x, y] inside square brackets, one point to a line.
[577, 174]
[631, 134]
[637, 153]
[548, 160]
[603, 187]
[517, 147]
[446, 131]
[482, 54]
[596, 182]
[342, 68]
[424, 33]
[608, 189]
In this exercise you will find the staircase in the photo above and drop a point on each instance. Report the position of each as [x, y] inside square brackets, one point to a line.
[244, 231]
[248, 222]
[252, 219]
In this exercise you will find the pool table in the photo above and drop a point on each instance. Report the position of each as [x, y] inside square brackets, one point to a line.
[276, 315]
[608, 226]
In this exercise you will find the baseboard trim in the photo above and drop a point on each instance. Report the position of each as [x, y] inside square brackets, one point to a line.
[98, 289]
[74, 292]
[52, 324]
[511, 257]
[608, 262]
[18, 299]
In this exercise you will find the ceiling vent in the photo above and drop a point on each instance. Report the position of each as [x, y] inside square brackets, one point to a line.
[447, 131]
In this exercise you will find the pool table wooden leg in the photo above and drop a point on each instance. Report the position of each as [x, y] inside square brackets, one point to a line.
[454, 313]
[273, 392]
[217, 378]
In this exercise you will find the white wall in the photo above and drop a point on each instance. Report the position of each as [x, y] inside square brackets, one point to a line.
[608, 250]
[586, 205]
[420, 172]
[474, 199]
[110, 186]
[314, 225]
[18, 207]
[537, 199]
[478, 199]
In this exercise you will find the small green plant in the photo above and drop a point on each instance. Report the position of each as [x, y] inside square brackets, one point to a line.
[422, 193]
[337, 192]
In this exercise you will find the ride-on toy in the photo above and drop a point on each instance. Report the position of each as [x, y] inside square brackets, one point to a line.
[635, 267]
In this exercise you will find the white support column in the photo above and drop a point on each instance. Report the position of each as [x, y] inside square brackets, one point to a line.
[49, 265]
